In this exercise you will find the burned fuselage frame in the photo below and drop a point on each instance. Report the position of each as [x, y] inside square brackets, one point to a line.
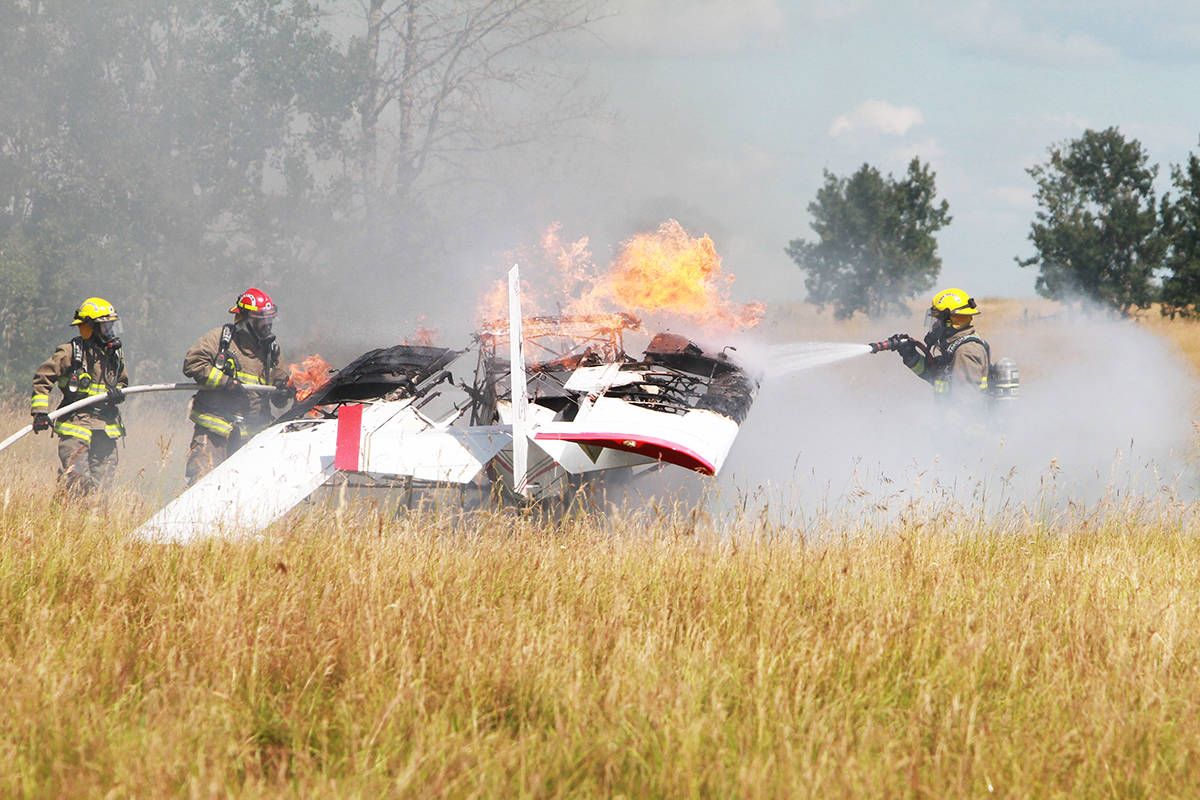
[388, 373]
[674, 375]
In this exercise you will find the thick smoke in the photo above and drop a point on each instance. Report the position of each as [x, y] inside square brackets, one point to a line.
[1105, 412]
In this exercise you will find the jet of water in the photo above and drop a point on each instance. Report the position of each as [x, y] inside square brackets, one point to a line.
[784, 359]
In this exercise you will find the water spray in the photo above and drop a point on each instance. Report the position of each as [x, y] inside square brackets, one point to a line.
[785, 359]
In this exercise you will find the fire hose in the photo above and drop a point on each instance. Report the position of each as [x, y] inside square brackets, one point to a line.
[897, 342]
[100, 398]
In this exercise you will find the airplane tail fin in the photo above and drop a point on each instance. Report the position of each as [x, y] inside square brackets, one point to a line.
[520, 389]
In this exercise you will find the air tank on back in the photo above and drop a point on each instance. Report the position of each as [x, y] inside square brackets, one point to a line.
[1004, 382]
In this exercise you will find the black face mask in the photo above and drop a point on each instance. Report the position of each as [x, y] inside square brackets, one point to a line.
[107, 332]
[261, 328]
[937, 333]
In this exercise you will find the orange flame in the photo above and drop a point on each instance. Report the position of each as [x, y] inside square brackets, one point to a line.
[564, 271]
[667, 271]
[423, 337]
[494, 303]
[671, 271]
[308, 376]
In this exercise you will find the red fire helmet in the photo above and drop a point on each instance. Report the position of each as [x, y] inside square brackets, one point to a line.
[255, 302]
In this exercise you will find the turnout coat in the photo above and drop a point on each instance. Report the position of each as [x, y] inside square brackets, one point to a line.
[244, 360]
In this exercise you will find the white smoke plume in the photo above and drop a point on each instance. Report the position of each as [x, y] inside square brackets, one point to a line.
[1105, 411]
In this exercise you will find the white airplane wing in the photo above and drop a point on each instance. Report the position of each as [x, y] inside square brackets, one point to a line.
[252, 488]
[286, 463]
[455, 455]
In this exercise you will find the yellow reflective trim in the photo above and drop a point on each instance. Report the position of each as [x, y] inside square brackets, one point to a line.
[90, 388]
[246, 377]
[214, 377]
[65, 379]
[919, 367]
[39, 402]
[212, 423]
[941, 387]
[73, 431]
[114, 430]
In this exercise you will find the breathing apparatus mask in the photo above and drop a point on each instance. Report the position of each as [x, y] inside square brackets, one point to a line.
[942, 324]
[108, 332]
[937, 327]
[261, 328]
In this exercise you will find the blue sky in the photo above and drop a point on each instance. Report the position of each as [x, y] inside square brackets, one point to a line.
[727, 111]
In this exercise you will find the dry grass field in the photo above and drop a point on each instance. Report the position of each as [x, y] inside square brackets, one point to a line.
[651, 653]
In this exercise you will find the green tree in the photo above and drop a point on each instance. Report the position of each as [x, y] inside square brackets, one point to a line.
[1096, 231]
[155, 152]
[876, 245]
[1181, 225]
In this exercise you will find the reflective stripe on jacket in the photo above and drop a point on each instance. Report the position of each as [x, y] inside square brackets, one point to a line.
[73, 431]
[101, 370]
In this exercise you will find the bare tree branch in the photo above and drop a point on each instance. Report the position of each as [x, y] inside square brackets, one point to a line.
[439, 73]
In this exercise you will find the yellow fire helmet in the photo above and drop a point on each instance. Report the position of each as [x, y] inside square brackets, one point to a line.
[95, 309]
[954, 302]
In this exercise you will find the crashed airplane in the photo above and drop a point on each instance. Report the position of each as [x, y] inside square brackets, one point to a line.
[554, 402]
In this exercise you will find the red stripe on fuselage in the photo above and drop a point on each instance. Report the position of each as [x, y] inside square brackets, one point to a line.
[649, 446]
[349, 435]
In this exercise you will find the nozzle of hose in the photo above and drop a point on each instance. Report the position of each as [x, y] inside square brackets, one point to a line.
[890, 343]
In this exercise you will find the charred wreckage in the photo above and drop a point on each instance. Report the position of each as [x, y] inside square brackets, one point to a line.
[554, 404]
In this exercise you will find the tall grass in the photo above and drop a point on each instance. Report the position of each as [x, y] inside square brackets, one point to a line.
[656, 652]
[501, 655]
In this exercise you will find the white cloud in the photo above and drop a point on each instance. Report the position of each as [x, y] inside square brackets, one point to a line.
[691, 26]
[877, 115]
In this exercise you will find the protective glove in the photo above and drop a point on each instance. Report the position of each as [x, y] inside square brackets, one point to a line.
[229, 368]
[909, 353]
[283, 393]
[41, 422]
[115, 396]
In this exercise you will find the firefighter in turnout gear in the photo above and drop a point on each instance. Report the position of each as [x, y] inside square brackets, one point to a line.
[223, 360]
[89, 364]
[958, 359]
